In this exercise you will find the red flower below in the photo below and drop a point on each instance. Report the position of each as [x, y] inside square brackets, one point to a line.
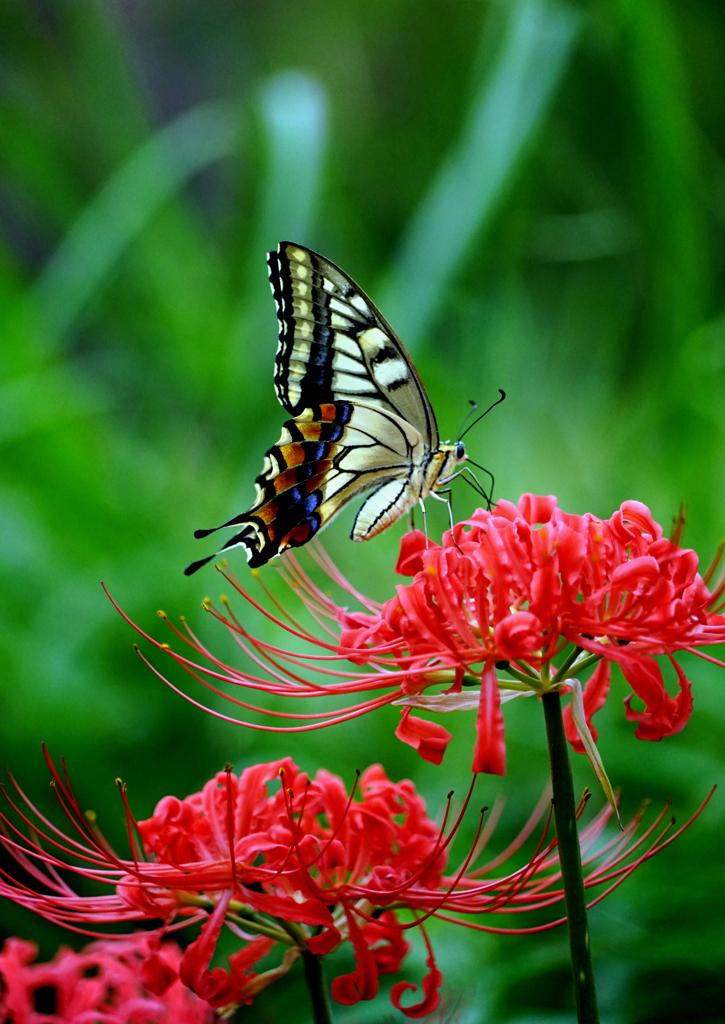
[106, 981]
[301, 866]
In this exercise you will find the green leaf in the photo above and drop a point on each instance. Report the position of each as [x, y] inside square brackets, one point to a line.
[502, 122]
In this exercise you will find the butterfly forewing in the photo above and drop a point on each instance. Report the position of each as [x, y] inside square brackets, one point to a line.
[335, 345]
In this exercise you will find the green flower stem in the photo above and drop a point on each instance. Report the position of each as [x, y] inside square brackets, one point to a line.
[529, 679]
[569, 661]
[259, 927]
[317, 987]
[570, 858]
[240, 915]
[294, 931]
[592, 659]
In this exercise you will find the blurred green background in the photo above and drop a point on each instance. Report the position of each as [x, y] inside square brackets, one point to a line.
[534, 194]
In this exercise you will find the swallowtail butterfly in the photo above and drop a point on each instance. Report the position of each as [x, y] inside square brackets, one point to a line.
[361, 418]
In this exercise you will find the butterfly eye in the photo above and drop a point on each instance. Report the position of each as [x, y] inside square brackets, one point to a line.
[460, 451]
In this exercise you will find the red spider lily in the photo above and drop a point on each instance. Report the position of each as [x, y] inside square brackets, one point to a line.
[528, 591]
[106, 981]
[304, 868]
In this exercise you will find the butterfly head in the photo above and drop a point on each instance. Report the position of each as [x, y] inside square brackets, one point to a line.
[445, 464]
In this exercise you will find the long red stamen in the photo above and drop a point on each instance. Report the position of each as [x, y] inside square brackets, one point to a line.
[124, 797]
[230, 825]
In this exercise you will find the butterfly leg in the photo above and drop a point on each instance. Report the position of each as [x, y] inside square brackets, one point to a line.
[438, 495]
[425, 521]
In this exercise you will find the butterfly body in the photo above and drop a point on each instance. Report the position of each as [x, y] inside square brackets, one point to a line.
[361, 418]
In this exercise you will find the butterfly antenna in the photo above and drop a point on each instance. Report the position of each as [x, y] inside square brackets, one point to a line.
[479, 418]
[466, 418]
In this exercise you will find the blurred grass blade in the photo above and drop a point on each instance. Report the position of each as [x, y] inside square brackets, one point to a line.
[294, 116]
[134, 194]
[672, 186]
[44, 398]
[503, 119]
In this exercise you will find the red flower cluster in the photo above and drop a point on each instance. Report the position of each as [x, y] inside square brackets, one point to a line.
[304, 866]
[518, 584]
[308, 866]
[507, 592]
[107, 981]
[296, 853]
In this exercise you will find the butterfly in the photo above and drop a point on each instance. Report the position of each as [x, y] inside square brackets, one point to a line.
[361, 418]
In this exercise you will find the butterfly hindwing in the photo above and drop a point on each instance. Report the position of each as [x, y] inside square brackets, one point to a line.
[334, 345]
[324, 458]
[382, 508]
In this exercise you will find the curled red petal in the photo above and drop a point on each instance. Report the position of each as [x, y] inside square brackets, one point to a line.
[217, 987]
[349, 989]
[325, 941]
[156, 974]
[517, 635]
[241, 961]
[645, 568]
[663, 715]
[412, 548]
[388, 944]
[431, 994]
[289, 909]
[535, 508]
[428, 738]
[640, 516]
[489, 755]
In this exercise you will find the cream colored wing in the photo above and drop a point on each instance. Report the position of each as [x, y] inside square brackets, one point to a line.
[385, 506]
[334, 345]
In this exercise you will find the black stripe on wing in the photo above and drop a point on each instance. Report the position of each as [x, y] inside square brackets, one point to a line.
[305, 336]
[307, 369]
[335, 345]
